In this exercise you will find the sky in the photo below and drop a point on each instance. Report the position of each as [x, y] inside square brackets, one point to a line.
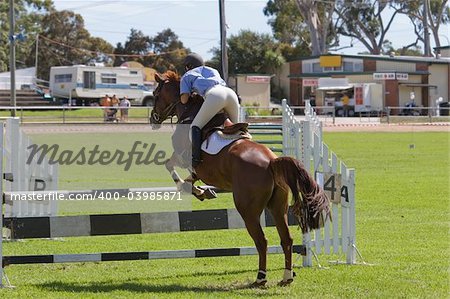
[196, 22]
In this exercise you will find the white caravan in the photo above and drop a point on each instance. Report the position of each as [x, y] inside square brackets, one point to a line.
[88, 84]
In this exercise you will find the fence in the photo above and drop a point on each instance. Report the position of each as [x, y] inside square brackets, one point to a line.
[303, 140]
[75, 114]
[23, 175]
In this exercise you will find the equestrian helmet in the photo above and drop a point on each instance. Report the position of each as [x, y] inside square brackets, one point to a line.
[193, 60]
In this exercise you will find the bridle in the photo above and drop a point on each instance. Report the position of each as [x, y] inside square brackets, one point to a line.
[169, 111]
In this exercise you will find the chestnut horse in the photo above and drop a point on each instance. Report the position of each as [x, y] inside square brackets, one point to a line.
[257, 178]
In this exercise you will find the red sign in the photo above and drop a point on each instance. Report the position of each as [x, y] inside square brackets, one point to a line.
[310, 82]
[358, 95]
[258, 79]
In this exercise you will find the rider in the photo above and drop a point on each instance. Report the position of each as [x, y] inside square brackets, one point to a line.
[208, 83]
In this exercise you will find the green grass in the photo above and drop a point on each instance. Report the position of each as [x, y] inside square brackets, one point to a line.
[402, 210]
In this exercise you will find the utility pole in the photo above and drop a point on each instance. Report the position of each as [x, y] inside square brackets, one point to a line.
[36, 59]
[12, 56]
[223, 40]
[426, 33]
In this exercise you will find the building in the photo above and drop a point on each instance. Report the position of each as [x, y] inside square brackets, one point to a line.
[254, 89]
[25, 79]
[402, 78]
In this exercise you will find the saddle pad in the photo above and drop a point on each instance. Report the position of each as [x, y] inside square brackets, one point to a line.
[215, 142]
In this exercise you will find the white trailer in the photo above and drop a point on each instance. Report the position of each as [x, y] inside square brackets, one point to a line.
[88, 84]
[364, 97]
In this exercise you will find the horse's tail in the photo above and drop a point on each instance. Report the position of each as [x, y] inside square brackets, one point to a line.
[311, 205]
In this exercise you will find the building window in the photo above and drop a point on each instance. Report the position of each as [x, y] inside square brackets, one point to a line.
[348, 66]
[109, 78]
[316, 68]
[63, 78]
[332, 69]
[133, 72]
[133, 85]
[89, 80]
[358, 67]
[307, 67]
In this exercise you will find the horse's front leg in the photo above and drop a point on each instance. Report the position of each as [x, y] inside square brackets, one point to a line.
[187, 185]
[170, 166]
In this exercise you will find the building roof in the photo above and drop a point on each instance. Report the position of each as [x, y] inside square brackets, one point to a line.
[415, 59]
[442, 47]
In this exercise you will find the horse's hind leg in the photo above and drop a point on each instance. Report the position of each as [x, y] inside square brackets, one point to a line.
[253, 225]
[278, 206]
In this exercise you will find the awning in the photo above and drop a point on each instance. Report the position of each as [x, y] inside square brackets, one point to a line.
[418, 85]
[334, 84]
[340, 87]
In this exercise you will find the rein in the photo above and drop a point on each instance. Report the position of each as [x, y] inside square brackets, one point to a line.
[167, 112]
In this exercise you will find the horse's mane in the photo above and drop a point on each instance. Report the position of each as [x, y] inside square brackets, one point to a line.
[172, 76]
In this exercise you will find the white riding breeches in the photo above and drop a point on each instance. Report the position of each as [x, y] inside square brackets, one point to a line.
[217, 98]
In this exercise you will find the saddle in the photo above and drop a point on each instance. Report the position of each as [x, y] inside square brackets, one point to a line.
[229, 132]
[217, 138]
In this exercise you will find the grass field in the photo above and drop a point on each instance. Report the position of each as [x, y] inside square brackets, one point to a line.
[402, 216]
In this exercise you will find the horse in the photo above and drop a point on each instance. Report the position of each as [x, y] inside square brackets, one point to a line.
[257, 178]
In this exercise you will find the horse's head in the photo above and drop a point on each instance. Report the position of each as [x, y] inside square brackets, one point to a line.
[167, 96]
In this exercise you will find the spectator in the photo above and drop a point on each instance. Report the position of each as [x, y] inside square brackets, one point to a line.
[124, 106]
[345, 101]
[105, 102]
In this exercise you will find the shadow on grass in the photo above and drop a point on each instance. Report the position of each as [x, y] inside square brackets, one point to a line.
[138, 287]
[155, 285]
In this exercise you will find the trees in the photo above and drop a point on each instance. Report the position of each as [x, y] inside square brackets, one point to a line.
[169, 51]
[29, 14]
[65, 41]
[318, 18]
[303, 26]
[250, 52]
[162, 52]
[438, 14]
[320, 23]
[365, 21]
[287, 27]
[137, 44]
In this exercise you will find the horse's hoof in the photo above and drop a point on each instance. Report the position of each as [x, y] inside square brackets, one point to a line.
[259, 284]
[284, 283]
[186, 187]
[209, 193]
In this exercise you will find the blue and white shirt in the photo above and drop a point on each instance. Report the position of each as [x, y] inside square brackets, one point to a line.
[200, 79]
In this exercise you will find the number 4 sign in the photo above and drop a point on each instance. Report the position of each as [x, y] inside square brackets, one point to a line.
[332, 185]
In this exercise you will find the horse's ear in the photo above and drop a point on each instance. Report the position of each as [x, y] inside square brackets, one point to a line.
[158, 78]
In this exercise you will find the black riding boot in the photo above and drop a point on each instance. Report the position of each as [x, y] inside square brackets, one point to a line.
[196, 146]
